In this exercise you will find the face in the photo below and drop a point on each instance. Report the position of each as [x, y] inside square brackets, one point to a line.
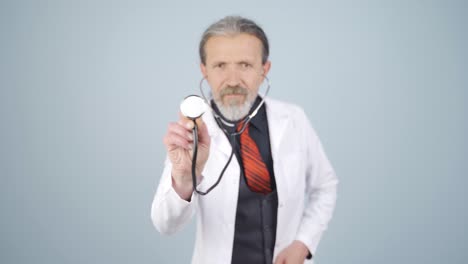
[234, 71]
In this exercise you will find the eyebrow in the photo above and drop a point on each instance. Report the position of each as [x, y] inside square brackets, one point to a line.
[216, 63]
[244, 61]
[237, 62]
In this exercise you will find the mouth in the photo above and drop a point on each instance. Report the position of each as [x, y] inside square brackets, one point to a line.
[234, 99]
[233, 95]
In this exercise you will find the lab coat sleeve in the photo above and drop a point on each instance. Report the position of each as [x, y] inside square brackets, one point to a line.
[169, 212]
[321, 186]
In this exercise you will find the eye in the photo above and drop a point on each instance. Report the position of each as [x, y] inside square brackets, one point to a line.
[245, 65]
[220, 65]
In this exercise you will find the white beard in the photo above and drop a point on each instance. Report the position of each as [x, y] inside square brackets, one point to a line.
[234, 111]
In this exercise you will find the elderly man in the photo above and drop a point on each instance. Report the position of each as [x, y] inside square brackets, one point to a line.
[277, 196]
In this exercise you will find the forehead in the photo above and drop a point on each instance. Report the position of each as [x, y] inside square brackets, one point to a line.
[236, 47]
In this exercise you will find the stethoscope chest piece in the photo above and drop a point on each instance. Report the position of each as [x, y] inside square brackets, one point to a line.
[193, 106]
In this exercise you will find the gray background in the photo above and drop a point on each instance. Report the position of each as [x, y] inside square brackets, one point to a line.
[88, 87]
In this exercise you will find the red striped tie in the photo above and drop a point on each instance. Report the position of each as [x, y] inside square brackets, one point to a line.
[255, 170]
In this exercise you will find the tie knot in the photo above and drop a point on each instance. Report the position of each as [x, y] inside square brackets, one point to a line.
[241, 125]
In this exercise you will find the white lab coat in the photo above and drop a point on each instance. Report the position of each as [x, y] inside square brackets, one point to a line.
[305, 181]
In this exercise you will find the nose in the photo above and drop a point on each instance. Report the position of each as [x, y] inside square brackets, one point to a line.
[232, 77]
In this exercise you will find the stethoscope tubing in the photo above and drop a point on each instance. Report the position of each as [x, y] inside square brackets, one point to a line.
[246, 120]
[231, 136]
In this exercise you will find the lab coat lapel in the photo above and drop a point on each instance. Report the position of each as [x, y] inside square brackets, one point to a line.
[277, 123]
[219, 140]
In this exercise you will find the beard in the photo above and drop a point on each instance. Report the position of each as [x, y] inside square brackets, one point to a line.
[234, 109]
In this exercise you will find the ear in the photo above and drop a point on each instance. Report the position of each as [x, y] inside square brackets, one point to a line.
[266, 67]
[203, 69]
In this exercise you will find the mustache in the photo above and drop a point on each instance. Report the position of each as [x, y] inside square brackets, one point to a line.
[228, 90]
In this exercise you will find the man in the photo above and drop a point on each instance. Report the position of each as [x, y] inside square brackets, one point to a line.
[277, 195]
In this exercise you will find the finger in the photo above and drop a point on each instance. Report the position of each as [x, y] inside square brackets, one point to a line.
[174, 141]
[183, 118]
[178, 129]
[199, 121]
[187, 123]
[280, 259]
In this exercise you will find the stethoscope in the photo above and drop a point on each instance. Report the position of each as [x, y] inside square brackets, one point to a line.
[194, 106]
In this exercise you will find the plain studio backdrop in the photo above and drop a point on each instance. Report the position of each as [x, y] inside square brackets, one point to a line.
[88, 88]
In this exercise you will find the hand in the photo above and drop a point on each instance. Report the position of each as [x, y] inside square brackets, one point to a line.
[295, 253]
[179, 143]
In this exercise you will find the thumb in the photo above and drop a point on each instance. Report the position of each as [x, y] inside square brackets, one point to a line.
[279, 259]
[203, 136]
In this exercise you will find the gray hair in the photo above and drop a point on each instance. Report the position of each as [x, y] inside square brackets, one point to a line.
[233, 25]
